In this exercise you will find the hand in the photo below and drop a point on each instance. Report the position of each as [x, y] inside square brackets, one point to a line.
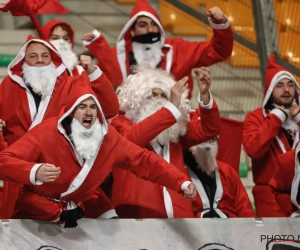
[204, 81]
[216, 15]
[47, 173]
[294, 110]
[177, 90]
[2, 125]
[88, 37]
[87, 64]
[190, 193]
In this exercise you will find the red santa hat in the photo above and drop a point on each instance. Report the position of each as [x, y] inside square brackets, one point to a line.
[14, 69]
[141, 8]
[48, 27]
[80, 91]
[274, 74]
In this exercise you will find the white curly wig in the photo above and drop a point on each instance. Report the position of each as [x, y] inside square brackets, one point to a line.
[137, 89]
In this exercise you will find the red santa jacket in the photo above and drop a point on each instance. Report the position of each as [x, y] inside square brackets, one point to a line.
[79, 179]
[231, 199]
[22, 114]
[180, 56]
[285, 183]
[263, 139]
[135, 198]
[99, 48]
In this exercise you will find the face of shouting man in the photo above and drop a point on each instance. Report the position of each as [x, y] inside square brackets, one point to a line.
[86, 113]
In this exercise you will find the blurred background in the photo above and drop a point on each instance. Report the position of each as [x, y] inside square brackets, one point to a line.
[261, 27]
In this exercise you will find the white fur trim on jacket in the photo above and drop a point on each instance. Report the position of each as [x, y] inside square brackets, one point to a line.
[96, 34]
[279, 113]
[33, 175]
[206, 106]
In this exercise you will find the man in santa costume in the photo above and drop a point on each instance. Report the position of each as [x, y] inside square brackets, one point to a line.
[156, 117]
[143, 41]
[36, 88]
[286, 183]
[63, 160]
[61, 35]
[270, 131]
[221, 193]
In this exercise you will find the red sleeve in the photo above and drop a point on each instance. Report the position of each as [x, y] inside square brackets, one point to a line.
[199, 54]
[106, 96]
[3, 143]
[282, 181]
[18, 159]
[201, 130]
[258, 135]
[107, 60]
[242, 201]
[145, 131]
[154, 168]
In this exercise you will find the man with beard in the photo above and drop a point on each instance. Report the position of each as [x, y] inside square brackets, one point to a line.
[61, 35]
[142, 41]
[78, 144]
[156, 117]
[270, 131]
[36, 88]
[221, 193]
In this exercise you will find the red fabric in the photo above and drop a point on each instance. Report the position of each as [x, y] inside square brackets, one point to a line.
[260, 144]
[185, 55]
[46, 144]
[50, 25]
[281, 182]
[272, 69]
[25, 7]
[107, 61]
[234, 201]
[1, 201]
[135, 198]
[18, 117]
[230, 142]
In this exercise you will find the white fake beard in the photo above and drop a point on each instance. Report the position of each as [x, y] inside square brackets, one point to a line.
[86, 141]
[147, 54]
[170, 134]
[205, 156]
[289, 124]
[41, 79]
[67, 54]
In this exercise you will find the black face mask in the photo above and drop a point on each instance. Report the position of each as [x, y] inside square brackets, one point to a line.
[147, 38]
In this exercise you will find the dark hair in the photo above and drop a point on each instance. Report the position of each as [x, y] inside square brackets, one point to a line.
[135, 21]
[64, 27]
[32, 42]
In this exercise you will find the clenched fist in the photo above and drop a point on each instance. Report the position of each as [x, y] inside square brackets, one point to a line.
[87, 64]
[47, 173]
[216, 15]
[88, 37]
[2, 125]
[294, 110]
[190, 193]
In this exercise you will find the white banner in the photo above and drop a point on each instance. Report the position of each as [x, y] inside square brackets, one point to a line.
[172, 234]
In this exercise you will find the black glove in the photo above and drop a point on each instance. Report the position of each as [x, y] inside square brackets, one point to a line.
[71, 216]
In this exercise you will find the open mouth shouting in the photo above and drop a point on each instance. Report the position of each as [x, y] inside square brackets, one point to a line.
[87, 122]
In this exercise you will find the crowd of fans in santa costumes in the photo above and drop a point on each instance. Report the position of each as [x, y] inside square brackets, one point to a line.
[120, 140]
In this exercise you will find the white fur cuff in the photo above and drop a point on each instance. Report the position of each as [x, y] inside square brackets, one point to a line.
[279, 113]
[185, 185]
[207, 106]
[4, 2]
[96, 33]
[170, 106]
[297, 118]
[108, 214]
[33, 174]
[221, 26]
[295, 214]
[96, 74]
